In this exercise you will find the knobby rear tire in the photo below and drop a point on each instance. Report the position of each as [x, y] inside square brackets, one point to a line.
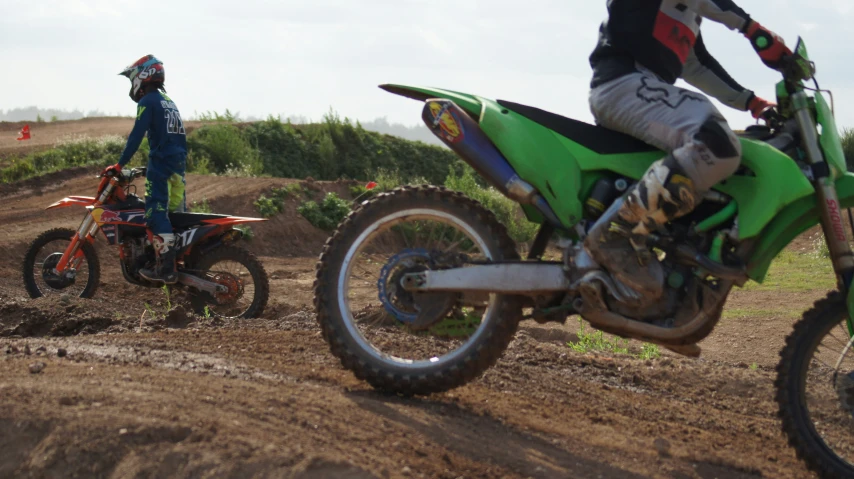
[53, 235]
[463, 369]
[791, 382]
[256, 270]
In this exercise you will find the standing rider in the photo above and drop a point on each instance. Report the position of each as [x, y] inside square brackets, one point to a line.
[157, 115]
[644, 47]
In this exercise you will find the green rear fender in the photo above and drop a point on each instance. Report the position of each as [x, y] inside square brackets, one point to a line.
[469, 103]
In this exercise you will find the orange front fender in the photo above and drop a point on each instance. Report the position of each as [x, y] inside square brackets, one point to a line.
[72, 201]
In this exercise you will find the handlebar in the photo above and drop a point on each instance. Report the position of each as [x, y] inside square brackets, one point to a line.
[127, 174]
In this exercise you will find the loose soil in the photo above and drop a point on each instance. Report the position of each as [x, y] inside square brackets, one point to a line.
[125, 394]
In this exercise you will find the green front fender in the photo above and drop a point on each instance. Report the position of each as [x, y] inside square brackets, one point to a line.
[796, 218]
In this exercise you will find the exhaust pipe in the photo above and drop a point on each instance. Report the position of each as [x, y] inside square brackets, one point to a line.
[463, 135]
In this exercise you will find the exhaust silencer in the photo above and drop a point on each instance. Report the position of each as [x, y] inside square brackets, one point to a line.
[463, 135]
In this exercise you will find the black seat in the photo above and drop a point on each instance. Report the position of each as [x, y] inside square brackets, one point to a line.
[595, 138]
[186, 220]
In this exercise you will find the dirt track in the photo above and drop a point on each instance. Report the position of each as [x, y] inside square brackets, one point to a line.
[265, 398]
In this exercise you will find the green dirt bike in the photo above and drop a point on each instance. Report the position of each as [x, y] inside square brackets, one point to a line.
[421, 289]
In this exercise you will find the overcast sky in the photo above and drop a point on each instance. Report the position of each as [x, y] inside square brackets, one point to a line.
[303, 57]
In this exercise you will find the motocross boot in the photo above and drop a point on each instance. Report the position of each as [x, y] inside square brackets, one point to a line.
[618, 242]
[164, 272]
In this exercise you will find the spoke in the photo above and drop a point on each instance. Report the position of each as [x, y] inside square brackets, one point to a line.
[405, 240]
[377, 319]
[457, 243]
[379, 327]
[430, 235]
[843, 343]
[815, 358]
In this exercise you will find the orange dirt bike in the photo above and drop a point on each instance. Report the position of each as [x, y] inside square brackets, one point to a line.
[221, 278]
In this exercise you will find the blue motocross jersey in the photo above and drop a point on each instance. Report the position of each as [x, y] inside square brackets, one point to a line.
[157, 115]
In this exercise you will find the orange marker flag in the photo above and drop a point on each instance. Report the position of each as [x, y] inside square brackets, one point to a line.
[24, 134]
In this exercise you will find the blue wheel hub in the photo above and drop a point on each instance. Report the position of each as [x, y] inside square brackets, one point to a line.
[397, 301]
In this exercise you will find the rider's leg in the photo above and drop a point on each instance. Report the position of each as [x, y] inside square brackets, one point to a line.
[157, 220]
[703, 151]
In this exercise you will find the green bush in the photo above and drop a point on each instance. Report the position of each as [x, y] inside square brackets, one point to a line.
[293, 190]
[226, 150]
[284, 153]
[198, 162]
[201, 206]
[327, 214]
[338, 148]
[17, 170]
[506, 210]
[268, 207]
[214, 117]
[248, 233]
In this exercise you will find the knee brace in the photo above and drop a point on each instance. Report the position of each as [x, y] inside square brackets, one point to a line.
[721, 142]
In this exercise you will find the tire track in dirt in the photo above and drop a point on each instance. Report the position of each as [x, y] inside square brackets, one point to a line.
[489, 429]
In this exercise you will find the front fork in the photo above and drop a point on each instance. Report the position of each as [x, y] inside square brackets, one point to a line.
[72, 255]
[829, 207]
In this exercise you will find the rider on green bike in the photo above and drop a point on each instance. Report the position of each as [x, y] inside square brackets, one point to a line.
[644, 47]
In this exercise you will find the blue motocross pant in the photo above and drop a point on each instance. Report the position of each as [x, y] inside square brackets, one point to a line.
[165, 191]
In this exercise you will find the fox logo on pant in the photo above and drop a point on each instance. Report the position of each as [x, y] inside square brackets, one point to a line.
[652, 94]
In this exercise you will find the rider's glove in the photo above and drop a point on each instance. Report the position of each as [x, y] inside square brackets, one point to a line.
[757, 106]
[770, 47]
[112, 170]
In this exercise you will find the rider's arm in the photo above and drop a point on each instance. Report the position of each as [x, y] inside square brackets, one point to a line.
[725, 12]
[705, 73]
[143, 120]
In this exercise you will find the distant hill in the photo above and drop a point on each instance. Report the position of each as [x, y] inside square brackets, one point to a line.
[32, 113]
